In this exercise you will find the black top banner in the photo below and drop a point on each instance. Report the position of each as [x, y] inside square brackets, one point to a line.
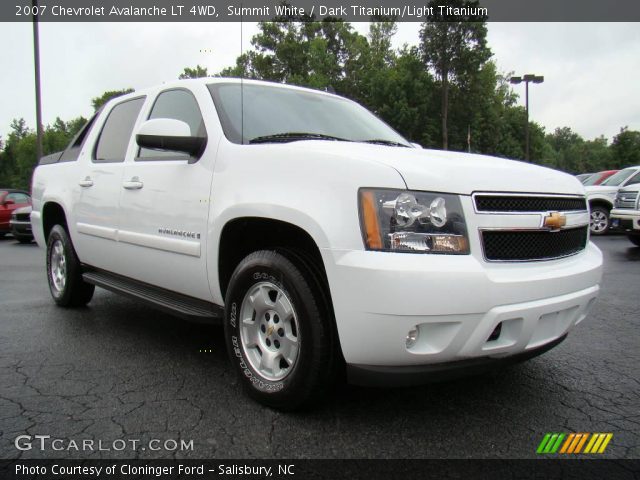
[349, 10]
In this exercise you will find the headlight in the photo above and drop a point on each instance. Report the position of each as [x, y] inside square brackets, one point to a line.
[415, 222]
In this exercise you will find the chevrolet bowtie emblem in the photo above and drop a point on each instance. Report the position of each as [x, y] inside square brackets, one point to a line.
[554, 221]
[270, 330]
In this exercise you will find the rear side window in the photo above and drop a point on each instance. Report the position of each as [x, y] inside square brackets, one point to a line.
[116, 132]
[73, 149]
[180, 105]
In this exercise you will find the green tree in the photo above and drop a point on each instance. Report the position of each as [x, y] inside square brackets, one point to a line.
[625, 148]
[455, 50]
[195, 72]
[98, 102]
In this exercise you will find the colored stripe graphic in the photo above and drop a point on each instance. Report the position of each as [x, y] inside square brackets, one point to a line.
[543, 443]
[567, 443]
[573, 443]
[581, 443]
[605, 442]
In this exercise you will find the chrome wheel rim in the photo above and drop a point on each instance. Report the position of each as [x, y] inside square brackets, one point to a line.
[269, 331]
[58, 266]
[599, 221]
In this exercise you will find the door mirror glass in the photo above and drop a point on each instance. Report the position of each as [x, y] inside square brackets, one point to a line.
[168, 134]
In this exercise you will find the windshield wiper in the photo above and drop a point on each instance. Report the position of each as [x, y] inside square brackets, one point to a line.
[380, 141]
[295, 136]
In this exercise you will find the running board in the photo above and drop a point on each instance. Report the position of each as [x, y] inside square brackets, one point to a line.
[189, 308]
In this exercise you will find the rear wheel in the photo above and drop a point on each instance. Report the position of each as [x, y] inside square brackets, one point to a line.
[635, 239]
[64, 272]
[278, 332]
[599, 222]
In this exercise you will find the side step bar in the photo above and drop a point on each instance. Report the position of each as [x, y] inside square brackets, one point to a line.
[189, 308]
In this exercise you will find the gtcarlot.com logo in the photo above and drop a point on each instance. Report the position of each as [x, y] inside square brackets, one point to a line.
[46, 442]
[574, 443]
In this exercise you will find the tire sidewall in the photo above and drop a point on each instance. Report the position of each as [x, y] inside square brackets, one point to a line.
[58, 233]
[280, 273]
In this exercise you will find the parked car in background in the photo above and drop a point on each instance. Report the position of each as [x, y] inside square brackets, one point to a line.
[10, 200]
[601, 197]
[584, 176]
[598, 178]
[625, 215]
[21, 224]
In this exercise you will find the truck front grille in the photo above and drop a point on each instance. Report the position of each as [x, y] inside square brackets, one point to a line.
[626, 200]
[520, 246]
[526, 203]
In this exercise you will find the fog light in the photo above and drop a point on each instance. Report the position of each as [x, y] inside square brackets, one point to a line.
[412, 337]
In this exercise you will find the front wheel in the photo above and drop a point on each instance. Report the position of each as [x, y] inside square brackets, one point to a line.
[599, 222]
[635, 239]
[64, 273]
[278, 331]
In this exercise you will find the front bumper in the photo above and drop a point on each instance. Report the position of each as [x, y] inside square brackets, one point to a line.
[456, 303]
[404, 376]
[626, 220]
[21, 228]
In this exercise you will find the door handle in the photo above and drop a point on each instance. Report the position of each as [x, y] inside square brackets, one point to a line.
[133, 184]
[87, 182]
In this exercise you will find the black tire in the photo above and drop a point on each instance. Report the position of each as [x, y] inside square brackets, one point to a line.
[602, 214]
[310, 376]
[635, 239]
[2, 234]
[23, 239]
[74, 292]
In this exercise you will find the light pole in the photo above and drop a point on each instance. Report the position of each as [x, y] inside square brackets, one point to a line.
[36, 68]
[529, 77]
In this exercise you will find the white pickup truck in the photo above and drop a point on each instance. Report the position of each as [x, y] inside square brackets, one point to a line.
[322, 239]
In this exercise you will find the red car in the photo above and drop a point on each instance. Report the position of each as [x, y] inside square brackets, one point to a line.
[598, 178]
[11, 199]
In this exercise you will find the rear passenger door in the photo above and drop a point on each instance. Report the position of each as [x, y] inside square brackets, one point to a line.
[164, 206]
[99, 183]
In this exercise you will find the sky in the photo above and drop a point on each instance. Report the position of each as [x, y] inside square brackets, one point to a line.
[591, 69]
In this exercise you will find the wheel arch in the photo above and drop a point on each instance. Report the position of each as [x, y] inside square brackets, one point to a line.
[53, 213]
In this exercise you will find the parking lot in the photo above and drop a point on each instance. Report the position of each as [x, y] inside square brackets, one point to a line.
[121, 370]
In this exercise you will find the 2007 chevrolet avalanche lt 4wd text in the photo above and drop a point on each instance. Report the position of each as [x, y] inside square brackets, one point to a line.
[321, 238]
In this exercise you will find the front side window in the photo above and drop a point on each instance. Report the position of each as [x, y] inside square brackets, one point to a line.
[634, 180]
[253, 113]
[180, 105]
[116, 132]
[617, 178]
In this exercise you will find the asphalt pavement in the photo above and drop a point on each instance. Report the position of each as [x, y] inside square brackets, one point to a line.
[119, 370]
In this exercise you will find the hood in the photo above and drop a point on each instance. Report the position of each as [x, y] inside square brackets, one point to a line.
[451, 172]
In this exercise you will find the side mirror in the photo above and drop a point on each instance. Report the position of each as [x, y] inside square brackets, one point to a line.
[417, 145]
[9, 201]
[172, 135]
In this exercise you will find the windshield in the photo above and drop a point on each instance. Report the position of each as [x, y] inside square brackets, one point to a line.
[591, 179]
[288, 114]
[616, 179]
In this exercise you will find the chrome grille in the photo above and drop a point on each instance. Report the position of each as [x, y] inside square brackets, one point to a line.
[626, 200]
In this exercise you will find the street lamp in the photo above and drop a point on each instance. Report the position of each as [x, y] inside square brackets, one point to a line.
[529, 77]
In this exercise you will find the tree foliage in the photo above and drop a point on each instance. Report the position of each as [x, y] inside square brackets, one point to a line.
[402, 86]
[98, 102]
[195, 72]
